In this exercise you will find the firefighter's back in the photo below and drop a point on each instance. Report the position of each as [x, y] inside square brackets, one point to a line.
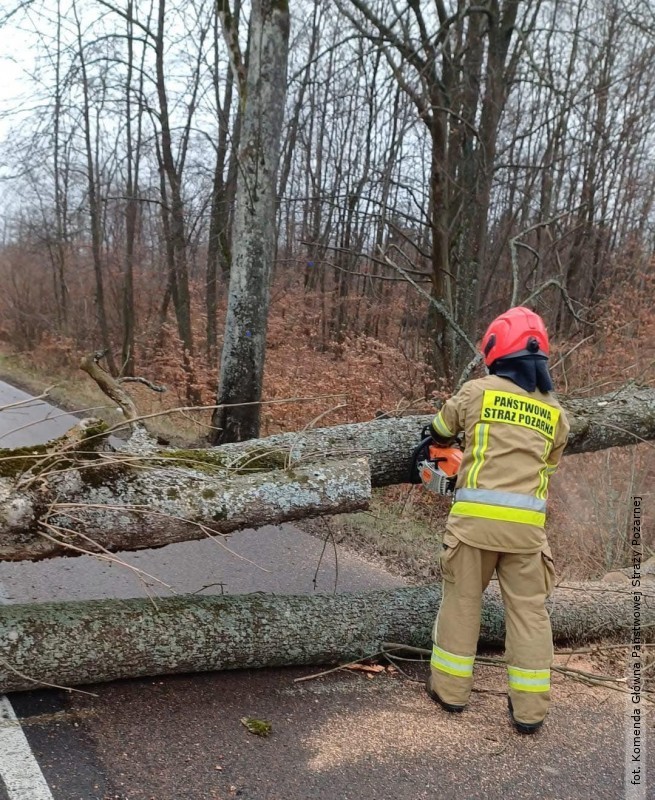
[513, 439]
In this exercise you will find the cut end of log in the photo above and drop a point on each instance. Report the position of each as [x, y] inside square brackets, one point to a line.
[16, 511]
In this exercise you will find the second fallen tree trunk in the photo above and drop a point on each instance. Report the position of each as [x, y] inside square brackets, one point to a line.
[622, 417]
[102, 640]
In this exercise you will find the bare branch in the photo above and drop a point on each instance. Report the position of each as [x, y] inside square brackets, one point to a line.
[144, 381]
[441, 308]
[109, 385]
[231, 35]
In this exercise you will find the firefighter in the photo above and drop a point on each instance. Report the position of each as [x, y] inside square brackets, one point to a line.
[515, 432]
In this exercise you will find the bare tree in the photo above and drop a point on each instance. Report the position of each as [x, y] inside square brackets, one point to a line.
[95, 212]
[456, 68]
[263, 97]
[484, 149]
[133, 162]
[219, 256]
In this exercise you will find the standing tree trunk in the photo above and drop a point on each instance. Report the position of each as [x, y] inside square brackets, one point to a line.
[176, 233]
[477, 161]
[95, 214]
[218, 244]
[253, 235]
[59, 251]
[131, 211]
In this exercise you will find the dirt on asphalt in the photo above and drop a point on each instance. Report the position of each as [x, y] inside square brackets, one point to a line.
[344, 736]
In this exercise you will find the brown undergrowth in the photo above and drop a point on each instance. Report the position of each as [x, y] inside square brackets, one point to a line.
[351, 377]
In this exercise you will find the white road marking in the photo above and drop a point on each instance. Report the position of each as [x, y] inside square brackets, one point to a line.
[19, 770]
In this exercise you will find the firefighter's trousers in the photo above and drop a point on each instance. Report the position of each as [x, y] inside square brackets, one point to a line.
[526, 580]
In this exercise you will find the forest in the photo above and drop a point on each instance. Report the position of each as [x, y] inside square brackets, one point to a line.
[434, 163]
[485, 151]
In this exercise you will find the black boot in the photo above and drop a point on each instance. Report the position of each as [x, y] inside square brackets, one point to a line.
[523, 727]
[446, 706]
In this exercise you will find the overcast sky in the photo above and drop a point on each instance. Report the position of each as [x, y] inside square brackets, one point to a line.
[15, 57]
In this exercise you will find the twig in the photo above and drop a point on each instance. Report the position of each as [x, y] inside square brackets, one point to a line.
[29, 400]
[103, 460]
[623, 591]
[43, 683]
[565, 295]
[209, 586]
[253, 458]
[407, 496]
[386, 646]
[336, 669]
[99, 556]
[598, 649]
[279, 401]
[141, 574]
[392, 661]
[324, 414]
[144, 381]
[514, 243]
[441, 308]
[626, 431]
[575, 674]
[571, 351]
[330, 535]
[366, 256]
[206, 425]
[209, 533]
[50, 417]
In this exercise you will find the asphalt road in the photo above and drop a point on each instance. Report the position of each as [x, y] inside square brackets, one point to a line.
[339, 737]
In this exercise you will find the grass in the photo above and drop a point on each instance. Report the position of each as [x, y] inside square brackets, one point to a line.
[402, 530]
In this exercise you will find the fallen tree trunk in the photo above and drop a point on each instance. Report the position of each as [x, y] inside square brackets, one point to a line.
[54, 501]
[143, 505]
[103, 640]
[619, 418]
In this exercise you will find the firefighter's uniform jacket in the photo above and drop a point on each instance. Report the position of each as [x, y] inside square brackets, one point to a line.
[514, 441]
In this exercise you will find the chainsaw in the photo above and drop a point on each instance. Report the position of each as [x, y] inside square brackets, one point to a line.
[435, 466]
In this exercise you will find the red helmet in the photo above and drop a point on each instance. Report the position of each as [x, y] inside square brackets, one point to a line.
[517, 332]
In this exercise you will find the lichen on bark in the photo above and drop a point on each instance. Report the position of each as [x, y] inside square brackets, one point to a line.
[102, 640]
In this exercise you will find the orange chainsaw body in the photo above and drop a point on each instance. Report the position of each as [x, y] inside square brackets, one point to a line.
[449, 459]
[438, 471]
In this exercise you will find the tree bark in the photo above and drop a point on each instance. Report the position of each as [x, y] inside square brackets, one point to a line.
[623, 417]
[253, 233]
[119, 504]
[104, 640]
[218, 241]
[94, 201]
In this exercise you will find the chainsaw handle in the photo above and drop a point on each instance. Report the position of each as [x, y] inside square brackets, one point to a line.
[418, 454]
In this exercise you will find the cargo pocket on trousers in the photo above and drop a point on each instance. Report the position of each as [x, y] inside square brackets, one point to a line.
[549, 570]
[449, 547]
